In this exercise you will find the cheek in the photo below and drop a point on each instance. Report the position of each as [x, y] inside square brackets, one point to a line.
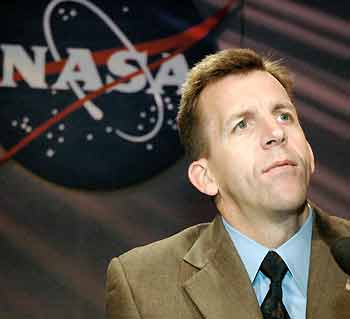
[235, 163]
[246, 167]
[229, 169]
[303, 152]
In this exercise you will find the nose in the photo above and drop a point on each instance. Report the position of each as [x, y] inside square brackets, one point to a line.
[273, 134]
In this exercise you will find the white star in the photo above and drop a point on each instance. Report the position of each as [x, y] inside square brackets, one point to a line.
[50, 152]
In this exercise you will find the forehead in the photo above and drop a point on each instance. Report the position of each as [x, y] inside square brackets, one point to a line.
[237, 92]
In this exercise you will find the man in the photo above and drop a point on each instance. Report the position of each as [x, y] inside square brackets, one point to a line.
[266, 255]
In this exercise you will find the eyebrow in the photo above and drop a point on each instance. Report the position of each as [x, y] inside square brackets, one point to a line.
[280, 106]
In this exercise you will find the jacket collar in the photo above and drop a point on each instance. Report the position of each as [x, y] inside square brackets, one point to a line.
[326, 280]
[221, 287]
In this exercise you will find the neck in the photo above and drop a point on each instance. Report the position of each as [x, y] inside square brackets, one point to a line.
[270, 229]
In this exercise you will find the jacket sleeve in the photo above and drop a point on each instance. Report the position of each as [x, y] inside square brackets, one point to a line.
[120, 303]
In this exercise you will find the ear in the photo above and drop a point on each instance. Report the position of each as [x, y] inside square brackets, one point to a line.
[201, 177]
[312, 158]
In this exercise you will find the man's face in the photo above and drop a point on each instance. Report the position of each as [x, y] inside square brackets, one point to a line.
[258, 154]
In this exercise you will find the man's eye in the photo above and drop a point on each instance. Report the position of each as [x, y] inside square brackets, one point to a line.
[242, 124]
[285, 117]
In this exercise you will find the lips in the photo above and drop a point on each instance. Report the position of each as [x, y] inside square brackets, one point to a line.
[279, 164]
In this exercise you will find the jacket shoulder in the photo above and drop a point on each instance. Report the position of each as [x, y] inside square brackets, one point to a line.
[146, 280]
[164, 251]
[148, 276]
[331, 227]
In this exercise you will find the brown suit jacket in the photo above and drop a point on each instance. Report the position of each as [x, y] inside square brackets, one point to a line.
[198, 274]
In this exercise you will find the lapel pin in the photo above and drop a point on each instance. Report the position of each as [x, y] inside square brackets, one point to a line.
[347, 285]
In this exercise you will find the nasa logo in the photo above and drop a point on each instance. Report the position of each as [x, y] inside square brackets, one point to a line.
[92, 117]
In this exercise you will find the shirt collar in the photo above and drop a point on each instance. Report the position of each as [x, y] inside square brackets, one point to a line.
[295, 252]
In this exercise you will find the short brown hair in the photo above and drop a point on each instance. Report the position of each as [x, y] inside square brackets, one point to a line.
[212, 68]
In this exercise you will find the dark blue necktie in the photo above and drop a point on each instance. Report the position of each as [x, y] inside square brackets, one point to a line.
[274, 268]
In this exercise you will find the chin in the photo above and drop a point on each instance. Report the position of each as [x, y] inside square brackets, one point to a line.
[289, 203]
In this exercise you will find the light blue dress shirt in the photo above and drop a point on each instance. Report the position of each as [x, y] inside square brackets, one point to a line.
[296, 254]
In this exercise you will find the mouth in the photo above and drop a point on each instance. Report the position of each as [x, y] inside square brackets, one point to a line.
[277, 164]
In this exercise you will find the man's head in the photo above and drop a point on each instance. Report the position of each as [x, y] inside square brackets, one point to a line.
[240, 128]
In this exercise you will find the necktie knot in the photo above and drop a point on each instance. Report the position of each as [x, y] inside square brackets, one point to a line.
[273, 267]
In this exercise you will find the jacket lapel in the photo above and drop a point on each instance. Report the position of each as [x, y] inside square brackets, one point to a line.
[318, 283]
[327, 296]
[218, 283]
